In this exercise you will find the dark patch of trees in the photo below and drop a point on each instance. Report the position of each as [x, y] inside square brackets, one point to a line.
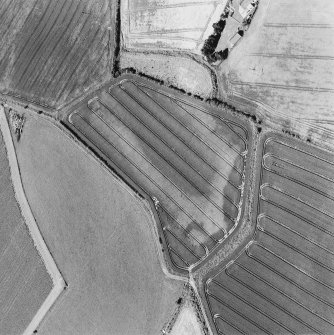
[210, 45]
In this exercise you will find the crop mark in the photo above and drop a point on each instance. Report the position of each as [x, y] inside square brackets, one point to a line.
[276, 55]
[300, 25]
[284, 87]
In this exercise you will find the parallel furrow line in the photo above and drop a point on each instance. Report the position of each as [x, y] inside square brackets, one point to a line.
[178, 154]
[61, 69]
[200, 121]
[281, 292]
[193, 133]
[183, 228]
[290, 264]
[36, 54]
[229, 323]
[291, 281]
[238, 312]
[141, 171]
[252, 305]
[294, 198]
[150, 163]
[41, 64]
[186, 144]
[299, 234]
[34, 40]
[23, 48]
[298, 216]
[71, 76]
[295, 249]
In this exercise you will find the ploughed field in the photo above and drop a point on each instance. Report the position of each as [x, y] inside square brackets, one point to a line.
[186, 155]
[283, 280]
[24, 280]
[53, 51]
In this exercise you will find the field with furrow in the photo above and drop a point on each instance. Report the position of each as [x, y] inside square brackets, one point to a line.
[189, 157]
[282, 282]
[54, 51]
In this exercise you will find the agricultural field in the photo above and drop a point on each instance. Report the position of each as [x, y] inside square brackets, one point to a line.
[282, 282]
[51, 52]
[101, 235]
[25, 282]
[185, 156]
[168, 24]
[282, 70]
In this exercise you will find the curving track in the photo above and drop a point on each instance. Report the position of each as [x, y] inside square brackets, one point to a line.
[283, 281]
[191, 159]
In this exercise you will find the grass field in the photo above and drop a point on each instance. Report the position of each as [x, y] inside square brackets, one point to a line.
[24, 281]
[53, 51]
[180, 72]
[190, 158]
[101, 238]
[283, 281]
[282, 69]
[168, 24]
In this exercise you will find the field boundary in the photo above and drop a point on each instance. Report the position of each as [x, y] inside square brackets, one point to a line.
[58, 281]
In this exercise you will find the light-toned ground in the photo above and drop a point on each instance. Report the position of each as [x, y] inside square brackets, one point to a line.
[168, 24]
[283, 71]
[182, 72]
[54, 51]
[187, 322]
[100, 236]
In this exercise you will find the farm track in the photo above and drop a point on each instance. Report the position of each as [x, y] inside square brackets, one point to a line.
[57, 47]
[282, 282]
[192, 162]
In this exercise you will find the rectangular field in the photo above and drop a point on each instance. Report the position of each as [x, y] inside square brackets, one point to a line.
[191, 158]
[24, 281]
[283, 280]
